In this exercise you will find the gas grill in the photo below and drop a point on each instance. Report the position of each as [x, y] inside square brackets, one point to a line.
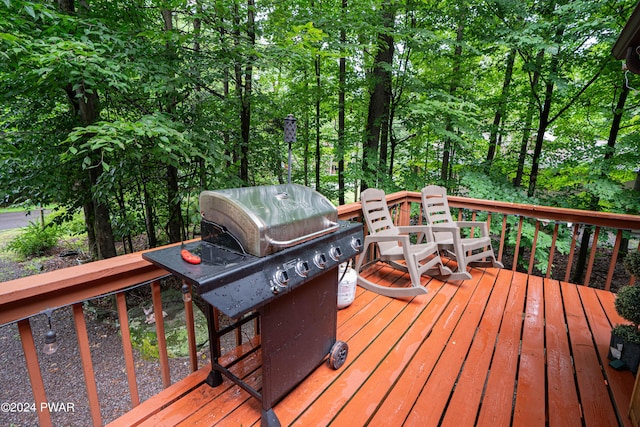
[271, 252]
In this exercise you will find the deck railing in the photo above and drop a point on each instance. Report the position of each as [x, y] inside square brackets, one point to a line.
[43, 294]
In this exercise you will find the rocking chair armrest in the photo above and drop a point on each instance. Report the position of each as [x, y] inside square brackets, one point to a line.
[421, 230]
[484, 231]
[452, 229]
[374, 238]
[445, 228]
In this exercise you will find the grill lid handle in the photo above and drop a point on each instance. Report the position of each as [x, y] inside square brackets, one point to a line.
[288, 243]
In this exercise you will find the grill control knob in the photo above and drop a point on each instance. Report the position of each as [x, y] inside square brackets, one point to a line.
[281, 278]
[356, 244]
[302, 268]
[320, 260]
[335, 253]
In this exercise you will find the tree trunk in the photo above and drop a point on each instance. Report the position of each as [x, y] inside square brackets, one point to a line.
[544, 116]
[504, 95]
[455, 78]
[526, 131]
[317, 121]
[615, 123]
[306, 136]
[149, 218]
[378, 110]
[244, 91]
[542, 129]
[90, 220]
[174, 225]
[342, 79]
[175, 222]
[104, 234]
[86, 107]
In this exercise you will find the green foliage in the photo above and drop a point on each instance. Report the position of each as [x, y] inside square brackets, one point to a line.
[628, 304]
[174, 99]
[35, 240]
[143, 334]
[632, 263]
[478, 185]
[628, 333]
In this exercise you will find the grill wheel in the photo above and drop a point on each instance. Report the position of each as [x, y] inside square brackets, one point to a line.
[338, 354]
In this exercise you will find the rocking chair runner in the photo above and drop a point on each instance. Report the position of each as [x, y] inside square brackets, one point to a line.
[472, 251]
[394, 245]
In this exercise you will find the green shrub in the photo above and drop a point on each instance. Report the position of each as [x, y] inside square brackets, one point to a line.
[628, 333]
[628, 304]
[632, 263]
[35, 240]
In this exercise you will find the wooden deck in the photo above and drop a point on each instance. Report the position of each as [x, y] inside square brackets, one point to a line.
[501, 349]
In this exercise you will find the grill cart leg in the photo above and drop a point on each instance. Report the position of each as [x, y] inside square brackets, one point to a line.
[214, 378]
[269, 418]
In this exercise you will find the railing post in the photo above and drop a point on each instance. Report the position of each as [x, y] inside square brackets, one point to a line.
[190, 324]
[574, 239]
[35, 376]
[517, 248]
[127, 349]
[592, 256]
[532, 258]
[162, 340]
[552, 250]
[502, 237]
[614, 259]
[87, 364]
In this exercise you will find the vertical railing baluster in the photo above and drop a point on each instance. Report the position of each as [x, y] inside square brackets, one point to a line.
[87, 364]
[574, 240]
[190, 324]
[503, 235]
[552, 250]
[632, 280]
[127, 349]
[405, 213]
[592, 256]
[35, 375]
[162, 339]
[517, 248]
[472, 232]
[532, 258]
[614, 260]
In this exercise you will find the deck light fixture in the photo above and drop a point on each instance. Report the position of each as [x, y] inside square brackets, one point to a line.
[50, 338]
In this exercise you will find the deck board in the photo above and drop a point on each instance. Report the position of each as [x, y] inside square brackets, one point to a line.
[530, 395]
[562, 395]
[435, 394]
[502, 348]
[496, 408]
[470, 385]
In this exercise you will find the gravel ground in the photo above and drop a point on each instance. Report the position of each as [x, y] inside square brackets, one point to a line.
[62, 371]
[63, 376]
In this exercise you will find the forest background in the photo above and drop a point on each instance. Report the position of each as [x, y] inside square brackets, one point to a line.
[126, 110]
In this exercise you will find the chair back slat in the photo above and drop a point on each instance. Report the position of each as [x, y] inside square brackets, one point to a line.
[377, 216]
[435, 205]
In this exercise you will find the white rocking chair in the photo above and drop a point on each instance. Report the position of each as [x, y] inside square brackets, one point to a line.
[394, 245]
[469, 251]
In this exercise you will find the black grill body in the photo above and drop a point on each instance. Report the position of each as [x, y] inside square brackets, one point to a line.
[293, 291]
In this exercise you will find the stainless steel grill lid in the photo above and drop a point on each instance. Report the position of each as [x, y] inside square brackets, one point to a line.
[266, 219]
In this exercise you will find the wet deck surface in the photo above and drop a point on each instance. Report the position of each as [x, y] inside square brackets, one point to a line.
[500, 349]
